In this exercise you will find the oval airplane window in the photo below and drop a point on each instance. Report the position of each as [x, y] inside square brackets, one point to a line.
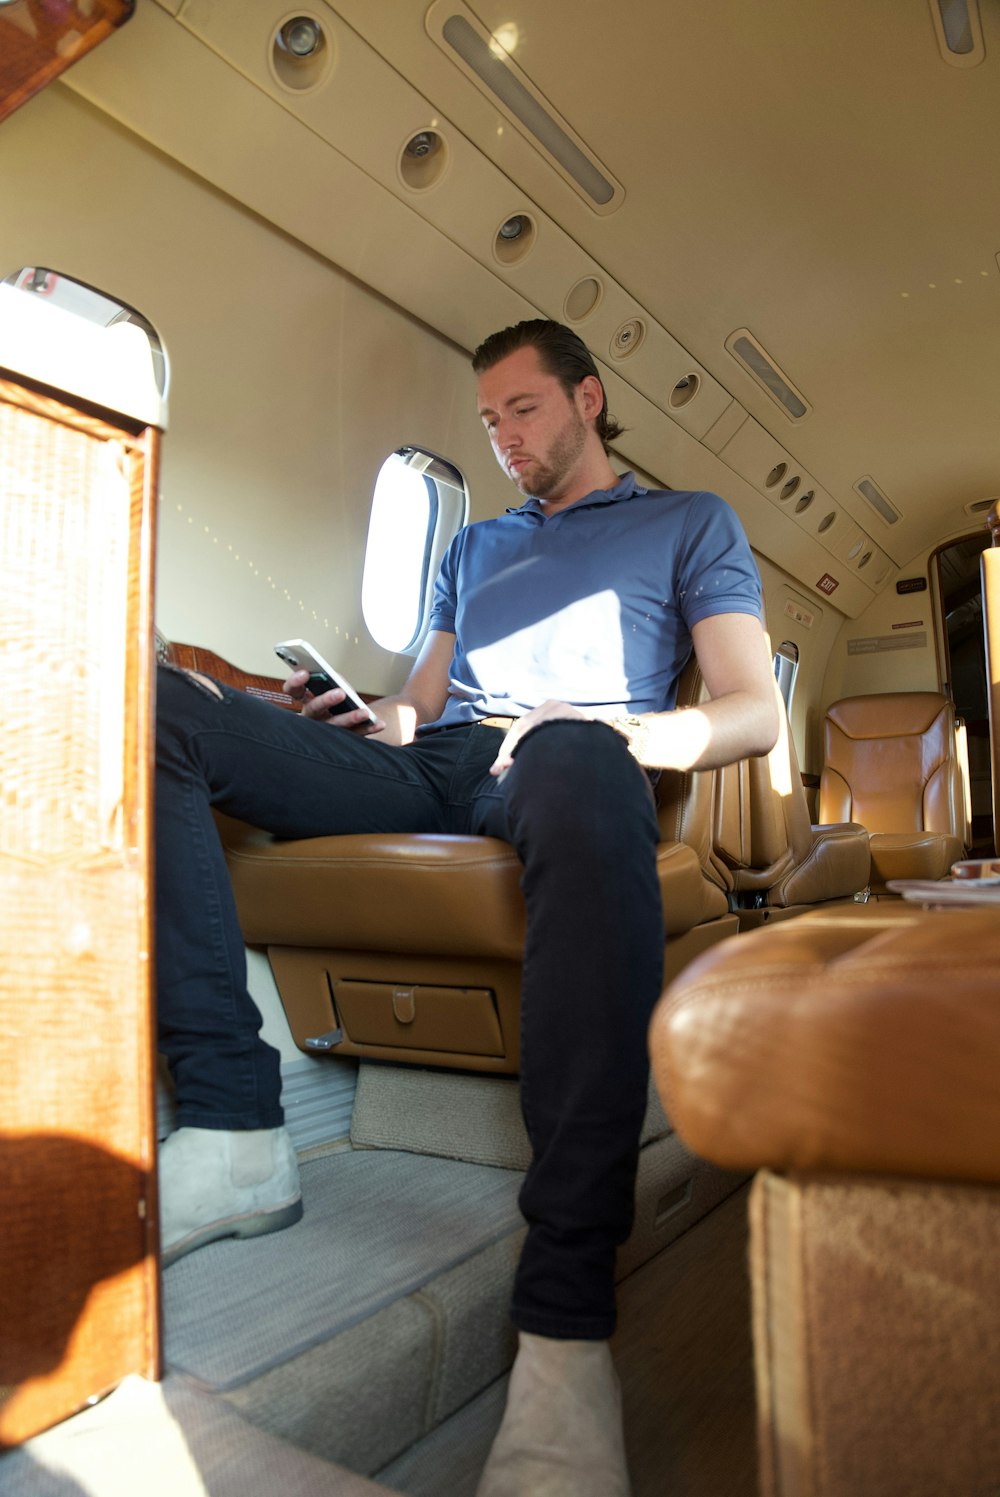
[95, 306]
[419, 504]
[786, 666]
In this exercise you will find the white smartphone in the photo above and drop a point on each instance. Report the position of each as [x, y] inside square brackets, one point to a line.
[322, 677]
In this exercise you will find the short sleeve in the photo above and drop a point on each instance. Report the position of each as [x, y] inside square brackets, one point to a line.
[716, 572]
[444, 608]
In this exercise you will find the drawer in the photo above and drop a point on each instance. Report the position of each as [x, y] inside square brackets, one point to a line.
[418, 1016]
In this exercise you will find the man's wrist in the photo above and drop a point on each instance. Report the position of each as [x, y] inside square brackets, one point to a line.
[635, 730]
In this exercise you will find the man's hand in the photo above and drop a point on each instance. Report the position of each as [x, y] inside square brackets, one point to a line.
[321, 707]
[547, 712]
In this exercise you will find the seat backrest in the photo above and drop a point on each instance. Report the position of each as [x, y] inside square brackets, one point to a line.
[764, 835]
[685, 799]
[890, 763]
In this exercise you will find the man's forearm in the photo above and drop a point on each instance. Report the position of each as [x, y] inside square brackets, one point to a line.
[737, 726]
[401, 716]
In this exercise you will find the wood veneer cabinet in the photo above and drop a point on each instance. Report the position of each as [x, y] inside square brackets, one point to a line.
[78, 1267]
[39, 40]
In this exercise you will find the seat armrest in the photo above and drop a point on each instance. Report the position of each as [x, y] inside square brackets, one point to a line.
[913, 855]
[837, 866]
[841, 1042]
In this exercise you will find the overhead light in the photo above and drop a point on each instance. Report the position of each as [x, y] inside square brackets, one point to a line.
[870, 491]
[301, 36]
[504, 41]
[756, 361]
[959, 32]
[485, 58]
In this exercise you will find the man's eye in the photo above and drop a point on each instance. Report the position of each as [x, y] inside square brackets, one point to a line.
[525, 410]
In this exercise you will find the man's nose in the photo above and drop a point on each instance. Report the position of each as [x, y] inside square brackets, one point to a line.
[507, 436]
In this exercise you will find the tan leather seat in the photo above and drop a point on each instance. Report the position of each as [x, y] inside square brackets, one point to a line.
[850, 1057]
[890, 762]
[778, 861]
[411, 945]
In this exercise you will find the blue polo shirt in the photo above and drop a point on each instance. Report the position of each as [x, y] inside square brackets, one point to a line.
[593, 605]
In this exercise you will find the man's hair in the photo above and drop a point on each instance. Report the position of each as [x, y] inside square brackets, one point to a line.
[561, 352]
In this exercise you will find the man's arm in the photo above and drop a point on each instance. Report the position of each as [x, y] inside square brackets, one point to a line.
[420, 700]
[740, 721]
[423, 695]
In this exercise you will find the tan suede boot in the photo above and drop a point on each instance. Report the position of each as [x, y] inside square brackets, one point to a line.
[561, 1434]
[216, 1184]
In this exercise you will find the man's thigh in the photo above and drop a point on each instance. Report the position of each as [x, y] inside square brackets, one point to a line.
[286, 773]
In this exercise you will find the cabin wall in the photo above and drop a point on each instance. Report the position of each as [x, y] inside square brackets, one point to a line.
[892, 646]
[291, 383]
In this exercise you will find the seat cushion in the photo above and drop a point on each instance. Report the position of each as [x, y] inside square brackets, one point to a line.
[413, 893]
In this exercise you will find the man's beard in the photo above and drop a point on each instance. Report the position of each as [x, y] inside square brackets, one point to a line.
[548, 477]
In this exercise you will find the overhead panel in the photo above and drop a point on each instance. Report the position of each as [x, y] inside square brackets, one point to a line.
[400, 196]
[759, 458]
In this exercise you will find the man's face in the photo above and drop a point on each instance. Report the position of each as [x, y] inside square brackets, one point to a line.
[537, 430]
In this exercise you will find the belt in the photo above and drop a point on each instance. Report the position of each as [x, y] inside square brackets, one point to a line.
[497, 722]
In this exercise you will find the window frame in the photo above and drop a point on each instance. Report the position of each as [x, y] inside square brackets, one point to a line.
[448, 512]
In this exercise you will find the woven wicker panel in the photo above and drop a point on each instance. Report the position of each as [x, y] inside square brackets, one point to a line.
[64, 533]
[77, 1271]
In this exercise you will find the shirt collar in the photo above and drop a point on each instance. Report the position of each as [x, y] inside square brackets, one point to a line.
[625, 488]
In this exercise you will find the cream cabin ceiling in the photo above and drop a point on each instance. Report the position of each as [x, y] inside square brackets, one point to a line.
[816, 175]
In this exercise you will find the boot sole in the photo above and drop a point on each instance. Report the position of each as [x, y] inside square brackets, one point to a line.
[257, 1225]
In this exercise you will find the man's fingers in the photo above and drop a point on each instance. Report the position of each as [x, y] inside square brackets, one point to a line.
[505, 754]
[296, 684]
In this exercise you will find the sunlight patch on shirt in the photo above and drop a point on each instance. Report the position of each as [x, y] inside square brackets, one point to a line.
[577, 646]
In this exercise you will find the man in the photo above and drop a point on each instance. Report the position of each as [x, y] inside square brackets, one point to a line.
[569, 619]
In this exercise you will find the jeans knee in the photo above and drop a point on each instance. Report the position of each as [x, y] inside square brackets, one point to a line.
[168, 675]
[571, 756]
[577, 780]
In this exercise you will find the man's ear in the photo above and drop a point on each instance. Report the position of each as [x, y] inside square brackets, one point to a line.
[590, 397]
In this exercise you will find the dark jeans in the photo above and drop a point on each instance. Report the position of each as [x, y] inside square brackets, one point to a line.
[580, 814]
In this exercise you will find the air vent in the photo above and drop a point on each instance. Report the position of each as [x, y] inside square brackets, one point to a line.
[870, 491]
[485, 58]
[423, 160]
[514, 239]
[684, 391]
[744, 347]
[980, 506]
[628, 338]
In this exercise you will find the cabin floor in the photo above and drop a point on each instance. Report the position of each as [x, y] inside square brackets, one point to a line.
[372, 1340]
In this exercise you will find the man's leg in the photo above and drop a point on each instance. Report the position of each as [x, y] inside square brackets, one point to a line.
[229, 1169]
[581, 815]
